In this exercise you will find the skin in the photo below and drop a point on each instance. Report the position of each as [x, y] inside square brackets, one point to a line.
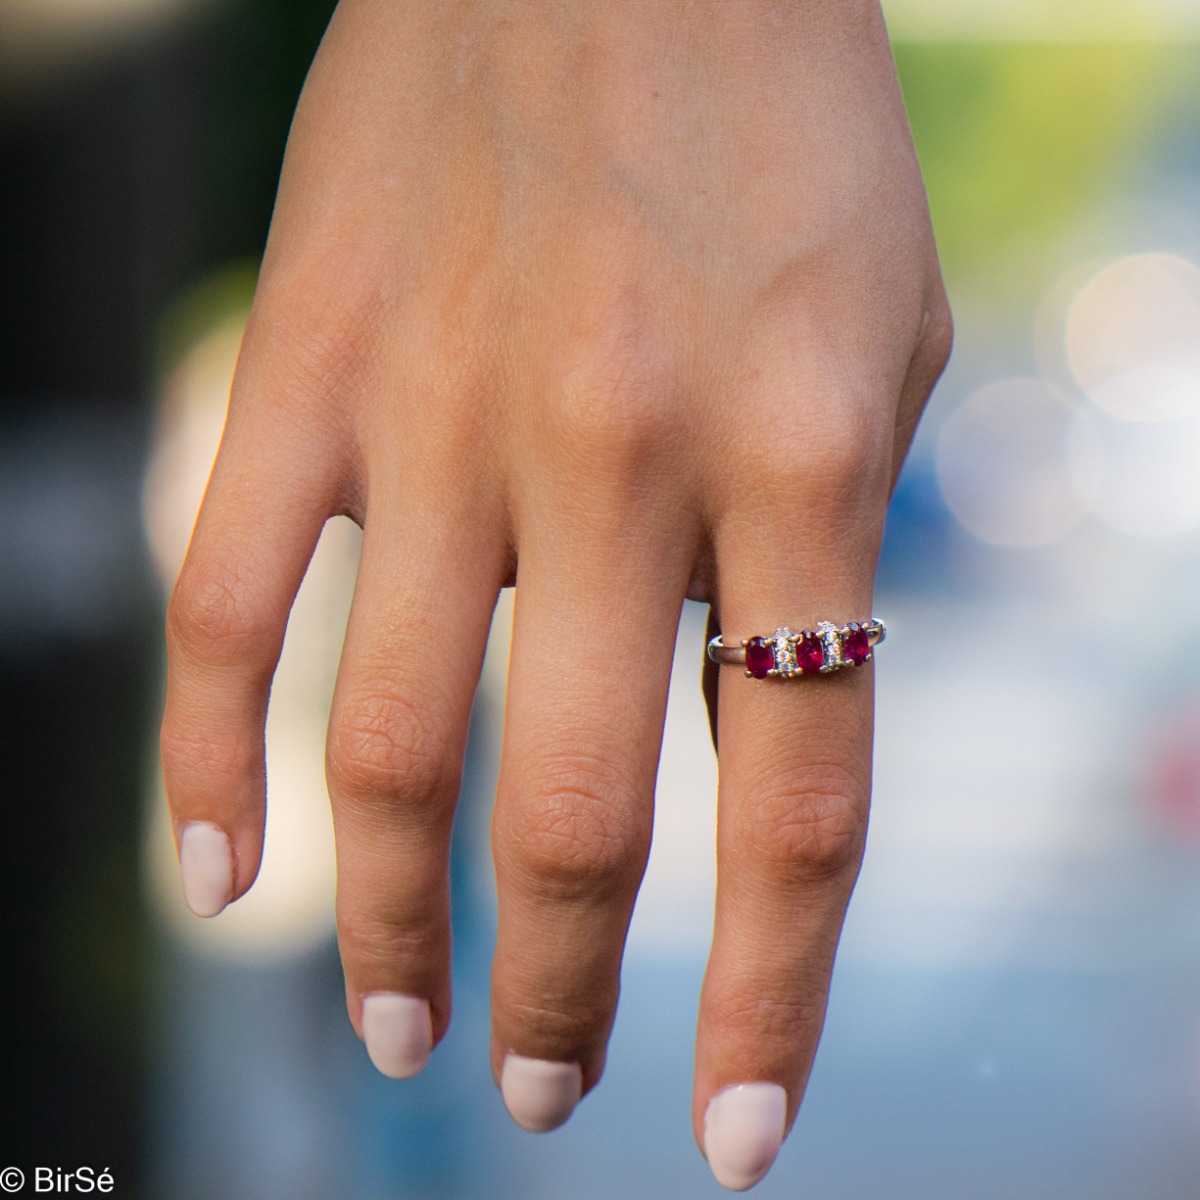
[632, 299]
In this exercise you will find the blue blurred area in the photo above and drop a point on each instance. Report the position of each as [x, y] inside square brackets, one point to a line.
[922, 538]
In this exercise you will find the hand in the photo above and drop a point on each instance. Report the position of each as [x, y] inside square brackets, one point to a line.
[631, 301]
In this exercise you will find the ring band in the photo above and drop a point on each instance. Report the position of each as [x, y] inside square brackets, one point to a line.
[786, 653]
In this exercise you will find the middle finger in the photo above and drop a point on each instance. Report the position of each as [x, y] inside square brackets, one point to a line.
[601, 583]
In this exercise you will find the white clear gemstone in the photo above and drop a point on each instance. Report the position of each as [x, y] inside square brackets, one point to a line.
[785, 652]
[831, 640]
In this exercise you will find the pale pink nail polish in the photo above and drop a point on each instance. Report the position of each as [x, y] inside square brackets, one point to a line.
[398, 1031]
[540, 1095]
[743, 1130]
[206, 868]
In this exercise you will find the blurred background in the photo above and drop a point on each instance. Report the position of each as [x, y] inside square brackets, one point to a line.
[1016, 1009]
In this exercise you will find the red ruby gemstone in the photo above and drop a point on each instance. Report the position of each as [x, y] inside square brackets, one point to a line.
[856, 647]
[760, 658]
[810, 654]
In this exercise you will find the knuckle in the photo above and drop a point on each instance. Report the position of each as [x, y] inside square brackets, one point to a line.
[616, 406]
[216, 612]
[838, 462]
[813, 831]
[318, 341]
[383, 743]
[776, 1019]
[565, 1027]
[575, 836]
[195, 758]
[398, 940]
[827, 450]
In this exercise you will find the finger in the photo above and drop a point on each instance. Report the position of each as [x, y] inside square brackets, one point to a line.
[793, 797]
[266, 501]
[427, 584]
[592, 648]
[926, 367]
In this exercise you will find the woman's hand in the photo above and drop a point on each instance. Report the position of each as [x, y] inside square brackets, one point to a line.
[630, 300]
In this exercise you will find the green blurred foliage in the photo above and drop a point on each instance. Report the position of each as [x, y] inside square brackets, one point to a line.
[215, 298]
[1019, 141]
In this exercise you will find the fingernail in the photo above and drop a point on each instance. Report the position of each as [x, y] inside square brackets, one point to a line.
[398, 1031]
[206, 866]
[743, 1130]
[540, 1095]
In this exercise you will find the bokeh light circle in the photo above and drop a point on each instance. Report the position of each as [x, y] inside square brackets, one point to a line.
[1002, 464]
[1141, 479]
[1133, 338]
[1159, 392]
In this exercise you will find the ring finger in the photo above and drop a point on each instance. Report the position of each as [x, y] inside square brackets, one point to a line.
[794, 790]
